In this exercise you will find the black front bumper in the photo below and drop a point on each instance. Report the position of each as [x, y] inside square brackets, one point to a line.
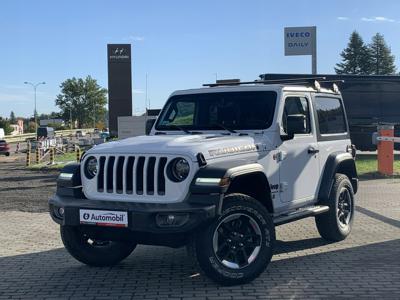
[142, 217]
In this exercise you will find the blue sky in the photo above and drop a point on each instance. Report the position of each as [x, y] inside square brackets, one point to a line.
[179, 44]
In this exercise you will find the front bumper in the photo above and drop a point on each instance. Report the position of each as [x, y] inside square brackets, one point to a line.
[142, 217]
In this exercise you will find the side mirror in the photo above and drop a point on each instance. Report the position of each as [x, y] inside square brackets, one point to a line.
[149, 125]
[296, 124]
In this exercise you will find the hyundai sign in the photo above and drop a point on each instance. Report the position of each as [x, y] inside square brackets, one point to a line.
[119, 84]
[300, 40]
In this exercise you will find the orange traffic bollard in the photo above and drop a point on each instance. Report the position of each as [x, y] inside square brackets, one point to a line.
[385, 150]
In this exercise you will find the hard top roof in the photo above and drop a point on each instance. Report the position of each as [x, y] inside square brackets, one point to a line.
[254, 87]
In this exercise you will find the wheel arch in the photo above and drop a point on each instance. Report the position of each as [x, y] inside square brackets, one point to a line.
[252, 181]
[248, 178]
[338, 162]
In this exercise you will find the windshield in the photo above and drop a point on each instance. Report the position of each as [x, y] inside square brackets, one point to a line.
[213, 111]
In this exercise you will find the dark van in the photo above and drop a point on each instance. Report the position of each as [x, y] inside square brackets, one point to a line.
[45, 132]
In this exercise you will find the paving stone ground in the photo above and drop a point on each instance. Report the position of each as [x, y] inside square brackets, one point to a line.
[34, 265]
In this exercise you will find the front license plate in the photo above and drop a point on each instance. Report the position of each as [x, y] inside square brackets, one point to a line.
[103, 217]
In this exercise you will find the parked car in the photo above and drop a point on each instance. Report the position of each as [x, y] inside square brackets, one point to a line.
[4, 148]
[104, 135]
[220, 168]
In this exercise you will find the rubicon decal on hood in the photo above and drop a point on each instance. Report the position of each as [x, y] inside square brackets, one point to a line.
[235, 149]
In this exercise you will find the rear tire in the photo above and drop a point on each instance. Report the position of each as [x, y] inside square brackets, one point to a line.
[94, 252]
[238, 246]
[8, 154]
[335, 225]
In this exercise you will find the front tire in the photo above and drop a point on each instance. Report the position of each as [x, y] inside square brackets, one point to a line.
[94, 252]
[335, 225]
[238, 246]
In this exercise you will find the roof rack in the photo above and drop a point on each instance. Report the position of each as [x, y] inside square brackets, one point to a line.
[306, 80]
[334, 85]
[332, 81]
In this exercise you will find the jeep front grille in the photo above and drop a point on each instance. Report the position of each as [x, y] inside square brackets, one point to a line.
[131, 175]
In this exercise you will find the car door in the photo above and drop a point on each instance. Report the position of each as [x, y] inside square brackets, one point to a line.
[299, 163]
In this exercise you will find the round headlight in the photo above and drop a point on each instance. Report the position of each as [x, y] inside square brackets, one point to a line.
[91, 167]
[179, 169]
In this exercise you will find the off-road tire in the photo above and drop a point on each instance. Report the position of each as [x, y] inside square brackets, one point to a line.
[328, 224]
[109, 254]
[202, 248]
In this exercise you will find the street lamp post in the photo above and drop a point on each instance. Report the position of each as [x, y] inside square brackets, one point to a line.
[34, 89]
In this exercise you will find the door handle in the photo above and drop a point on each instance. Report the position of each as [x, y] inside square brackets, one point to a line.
[312, 150]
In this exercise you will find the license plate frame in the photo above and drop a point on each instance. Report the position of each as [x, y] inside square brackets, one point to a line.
[107, 218]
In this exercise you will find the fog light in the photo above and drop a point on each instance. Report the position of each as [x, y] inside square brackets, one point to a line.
[58, 212]
[61, 211]
[171, 220]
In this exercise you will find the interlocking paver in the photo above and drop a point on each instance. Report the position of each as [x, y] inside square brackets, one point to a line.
[33, 263]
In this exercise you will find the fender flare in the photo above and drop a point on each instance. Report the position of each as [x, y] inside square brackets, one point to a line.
[70, 186]
[229, 170]
[337, 161]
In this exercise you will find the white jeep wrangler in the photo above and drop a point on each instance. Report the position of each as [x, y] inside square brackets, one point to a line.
[219, 169]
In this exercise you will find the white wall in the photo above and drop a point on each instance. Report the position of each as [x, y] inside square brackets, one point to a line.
[132, 126]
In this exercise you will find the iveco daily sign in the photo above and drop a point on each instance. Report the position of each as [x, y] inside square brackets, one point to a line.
[300, 40]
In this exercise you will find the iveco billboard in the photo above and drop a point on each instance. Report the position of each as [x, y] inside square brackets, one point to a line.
[119, 84]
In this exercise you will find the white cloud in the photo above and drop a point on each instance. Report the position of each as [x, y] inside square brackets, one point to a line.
[137, 91]
[343, 18]
[133, 38]
[377, 19]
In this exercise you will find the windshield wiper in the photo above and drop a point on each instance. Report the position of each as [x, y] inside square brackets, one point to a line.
[180, 128]
[224, 127]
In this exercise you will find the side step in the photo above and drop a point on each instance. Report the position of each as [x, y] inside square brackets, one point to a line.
[300, 214]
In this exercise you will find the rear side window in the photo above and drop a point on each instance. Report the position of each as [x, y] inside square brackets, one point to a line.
[330, 115]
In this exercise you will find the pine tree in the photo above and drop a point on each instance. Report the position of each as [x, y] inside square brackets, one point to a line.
[12, 118]
[356, 57]
[381, 55]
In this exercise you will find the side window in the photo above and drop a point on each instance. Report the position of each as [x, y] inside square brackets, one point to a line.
[330, 115]
[296, 106]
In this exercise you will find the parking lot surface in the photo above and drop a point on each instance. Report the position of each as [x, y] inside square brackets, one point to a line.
[33, 263]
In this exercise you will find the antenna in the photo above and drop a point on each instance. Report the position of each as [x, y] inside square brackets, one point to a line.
[145, 100]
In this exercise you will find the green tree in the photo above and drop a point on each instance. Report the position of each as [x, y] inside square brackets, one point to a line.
[356, 57]
[381, 56]
[82, 100]
[5, 124]
[13, 120]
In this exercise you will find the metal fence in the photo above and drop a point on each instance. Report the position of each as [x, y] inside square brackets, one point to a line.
[25, 136]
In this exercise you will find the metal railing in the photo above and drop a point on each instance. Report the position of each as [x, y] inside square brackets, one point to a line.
[25, 136]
